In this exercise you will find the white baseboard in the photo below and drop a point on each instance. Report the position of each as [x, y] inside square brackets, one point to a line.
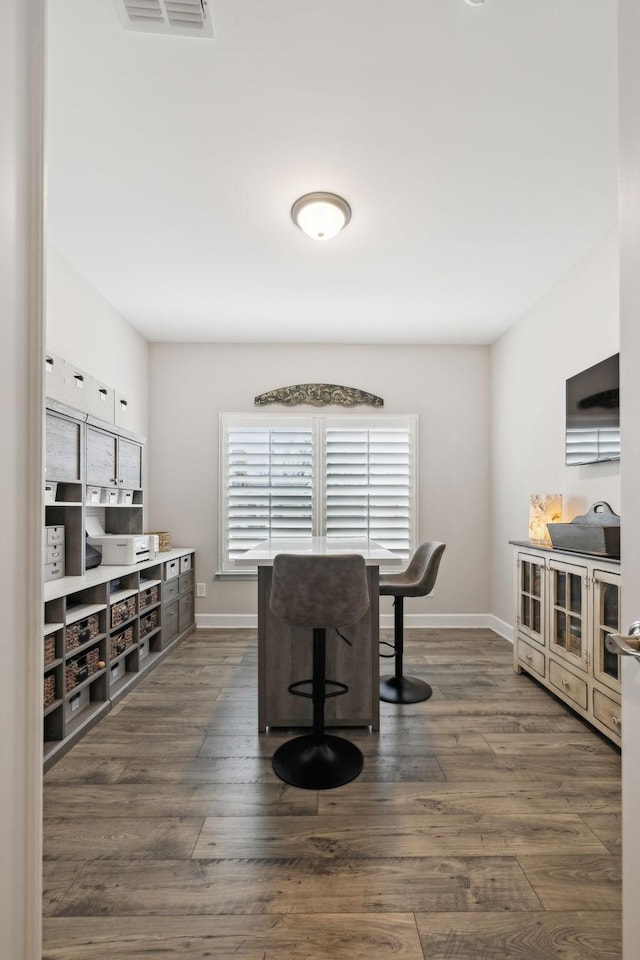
[227, 621]
[459, 621]
[501, 627]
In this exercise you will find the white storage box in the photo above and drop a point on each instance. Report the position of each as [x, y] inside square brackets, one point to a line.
[122, 411]
[54, 535]
[77, 388]
[76, 704]
[93, 494]
[54, 376]
[54, 553]
[53, 571]
[102, 400]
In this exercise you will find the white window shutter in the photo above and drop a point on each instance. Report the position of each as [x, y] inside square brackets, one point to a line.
[369, 485]
[269, 485]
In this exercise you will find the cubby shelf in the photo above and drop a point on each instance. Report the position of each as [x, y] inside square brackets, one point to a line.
[87, 645]
[83, 456]
[70, 694]
[83, 719]
[82, 611]
[77, 598]
[124, 594]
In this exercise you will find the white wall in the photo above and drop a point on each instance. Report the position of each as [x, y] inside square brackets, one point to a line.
[448, 387]
[574, 325]
[83, 328]
[20, 478]
[491, 423]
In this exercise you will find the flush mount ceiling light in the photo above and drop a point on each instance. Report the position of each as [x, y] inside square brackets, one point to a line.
[321, 215]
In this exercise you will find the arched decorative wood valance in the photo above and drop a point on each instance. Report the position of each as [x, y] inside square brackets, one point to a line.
[319, 395]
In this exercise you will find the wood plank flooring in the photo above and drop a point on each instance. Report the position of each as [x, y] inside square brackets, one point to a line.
[484, 826]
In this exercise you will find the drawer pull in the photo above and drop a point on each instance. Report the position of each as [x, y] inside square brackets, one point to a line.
[528, 657]
[565, 683]
[615, 721]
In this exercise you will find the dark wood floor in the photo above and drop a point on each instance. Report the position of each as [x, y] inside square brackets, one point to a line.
[485, 825]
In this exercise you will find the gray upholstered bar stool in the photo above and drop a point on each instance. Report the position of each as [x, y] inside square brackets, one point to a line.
[417, 580]
[318, 592]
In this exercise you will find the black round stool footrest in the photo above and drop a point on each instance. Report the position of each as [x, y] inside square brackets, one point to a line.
[342, 688]
[314, 763]
[404, 690]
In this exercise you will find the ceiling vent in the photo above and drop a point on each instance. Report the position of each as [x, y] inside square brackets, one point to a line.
[184, 18]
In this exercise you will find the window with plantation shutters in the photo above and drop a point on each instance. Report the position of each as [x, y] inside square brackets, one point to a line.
[345, 477]
[269, 484]
[369, 484]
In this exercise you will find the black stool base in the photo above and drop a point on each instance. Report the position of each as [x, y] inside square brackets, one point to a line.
[315, 764]
[404, 690]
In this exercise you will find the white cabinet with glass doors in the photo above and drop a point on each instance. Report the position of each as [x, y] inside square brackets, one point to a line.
[566, 605]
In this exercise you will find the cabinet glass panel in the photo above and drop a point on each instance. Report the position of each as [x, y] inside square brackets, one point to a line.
[561, 588]
[568, 614]
[531, 598]
[560, 628]
[607, 616]
[575, 593]
[536, 588]
[575, 636]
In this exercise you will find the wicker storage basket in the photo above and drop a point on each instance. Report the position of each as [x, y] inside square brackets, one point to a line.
[148, 623]
[81, 632]
[148, 597]
[123, 610]
[49, 649]
[49, 690]
[164, 540]
[120, 642]
[79, 668]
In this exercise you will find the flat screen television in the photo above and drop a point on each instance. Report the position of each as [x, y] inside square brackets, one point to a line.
[593, 413]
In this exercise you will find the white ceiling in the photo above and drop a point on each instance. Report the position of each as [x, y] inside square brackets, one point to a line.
[477, 147]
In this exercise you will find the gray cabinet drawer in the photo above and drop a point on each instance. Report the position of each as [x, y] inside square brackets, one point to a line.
[607, 711]
[186, 611]
[170, 621]
[186, 582]
[570, 686]
[170, 590]
[534, 659]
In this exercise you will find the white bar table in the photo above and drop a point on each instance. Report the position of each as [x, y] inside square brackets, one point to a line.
[285, 652]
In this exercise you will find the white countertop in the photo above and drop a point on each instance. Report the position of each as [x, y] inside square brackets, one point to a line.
[66, 585]
[264, 553]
